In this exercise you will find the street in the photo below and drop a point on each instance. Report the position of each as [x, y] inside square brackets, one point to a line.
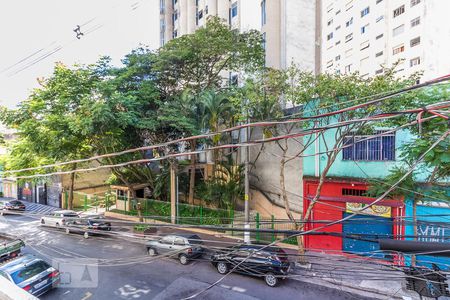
[114, 268]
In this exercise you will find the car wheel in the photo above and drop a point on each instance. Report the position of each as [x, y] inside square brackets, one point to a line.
[67, 230]
[86, 235]
[183, 259]
[57, 225]
[151, 252]
[42, 221]
[222, 268]
[271, 280]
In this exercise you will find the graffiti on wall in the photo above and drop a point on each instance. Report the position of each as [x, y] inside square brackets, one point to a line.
[434, 232]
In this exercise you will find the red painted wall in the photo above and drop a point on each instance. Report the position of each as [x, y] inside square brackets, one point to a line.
[333, 210]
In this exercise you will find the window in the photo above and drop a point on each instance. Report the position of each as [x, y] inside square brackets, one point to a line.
[175, 16]
[415, 41]
[363, 62]
[337, 58]
[349, 22]
[378, 1]
[379, 71]
[234, 9]
[339, 27]
[353, 192]
[348, 5]
[364, 28]
[174, 34]
[365, 147]
[414, 62]
[162, 25]
[263, 13]
[337, 72]
[200, 14]
[398, 49]
[168, 240]
[414, 2]
[379, 36]
[415, 22]
[329, 36]
[330, 7]
[364, 45]
[379, 54]
[179, 242]
[348, 52]
[338, 12]
[399, 11]
[348, 68]
[330, 22]
[329, 63]
[206, 9]
[349, 37]
[398, 30]
[379, 18]
[162, 6]
[174, 2]
[338, 42]
[365, 11]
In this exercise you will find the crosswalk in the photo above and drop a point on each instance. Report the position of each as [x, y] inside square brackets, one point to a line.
[39, 208]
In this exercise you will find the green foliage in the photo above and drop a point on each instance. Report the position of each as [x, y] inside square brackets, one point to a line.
[195, 61]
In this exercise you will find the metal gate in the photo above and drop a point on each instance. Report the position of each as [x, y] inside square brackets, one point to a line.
[370, 228]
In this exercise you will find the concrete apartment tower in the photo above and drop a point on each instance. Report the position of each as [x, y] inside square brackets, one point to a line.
[288, 26]
[291, 34]
[365, 35]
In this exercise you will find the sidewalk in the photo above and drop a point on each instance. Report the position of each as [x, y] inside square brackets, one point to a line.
[356, 275]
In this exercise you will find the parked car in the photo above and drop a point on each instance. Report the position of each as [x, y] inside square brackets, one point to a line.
[87, 224]
[186, 246]
[31, 274]
[58, 218]
[12, 205]
[10, 247]
[271, 263]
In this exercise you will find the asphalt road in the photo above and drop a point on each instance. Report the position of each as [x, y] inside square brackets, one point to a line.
[115, 268]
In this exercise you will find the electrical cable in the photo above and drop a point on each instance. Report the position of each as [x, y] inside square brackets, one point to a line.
[431, 82]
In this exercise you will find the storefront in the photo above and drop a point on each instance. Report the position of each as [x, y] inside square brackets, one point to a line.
[340, 198]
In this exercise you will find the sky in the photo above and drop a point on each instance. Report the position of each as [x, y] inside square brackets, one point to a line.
[27, 27]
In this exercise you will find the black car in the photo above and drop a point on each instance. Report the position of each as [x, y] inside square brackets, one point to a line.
[12, 205]
[88, 225]
[271, 263]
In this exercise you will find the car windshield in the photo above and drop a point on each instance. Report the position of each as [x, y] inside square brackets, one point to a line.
[29, 271]
[70, 215]
[195, 239]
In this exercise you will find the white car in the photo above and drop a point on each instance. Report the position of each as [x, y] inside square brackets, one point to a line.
[58, 218]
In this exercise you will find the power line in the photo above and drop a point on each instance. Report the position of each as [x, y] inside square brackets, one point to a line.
[247, 144]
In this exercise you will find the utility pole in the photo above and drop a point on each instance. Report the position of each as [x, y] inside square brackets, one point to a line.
[246, 189]
[173, 199]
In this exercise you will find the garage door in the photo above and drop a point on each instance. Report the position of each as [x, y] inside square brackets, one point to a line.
[372, 228]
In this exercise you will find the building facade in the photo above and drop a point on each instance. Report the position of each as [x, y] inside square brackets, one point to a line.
[288, 26]
[367, 35]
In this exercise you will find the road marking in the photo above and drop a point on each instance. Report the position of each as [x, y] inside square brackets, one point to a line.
[87, 296]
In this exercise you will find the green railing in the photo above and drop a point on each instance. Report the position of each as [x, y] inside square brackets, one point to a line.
[272, 223]
[187, 214]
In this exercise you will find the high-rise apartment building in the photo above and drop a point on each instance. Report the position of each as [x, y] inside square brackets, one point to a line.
[365, 35]
[288, 26]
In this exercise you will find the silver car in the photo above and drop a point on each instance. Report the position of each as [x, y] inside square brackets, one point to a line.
[185, 247]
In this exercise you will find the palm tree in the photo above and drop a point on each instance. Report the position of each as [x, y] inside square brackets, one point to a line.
[216, 110]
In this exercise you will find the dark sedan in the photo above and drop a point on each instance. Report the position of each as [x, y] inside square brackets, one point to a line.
[12, 205]
[88, 225]
[270, 263]
[31, 274]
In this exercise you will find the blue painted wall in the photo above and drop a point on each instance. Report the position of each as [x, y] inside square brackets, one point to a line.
[430, 224]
